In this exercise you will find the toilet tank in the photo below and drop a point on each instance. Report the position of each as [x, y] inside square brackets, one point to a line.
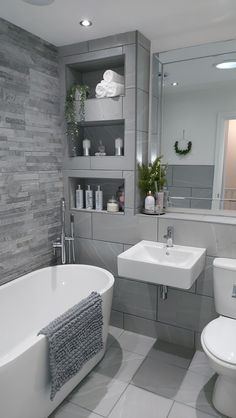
[224, 273]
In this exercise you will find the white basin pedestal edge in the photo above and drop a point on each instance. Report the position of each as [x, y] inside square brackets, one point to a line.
[153, 262]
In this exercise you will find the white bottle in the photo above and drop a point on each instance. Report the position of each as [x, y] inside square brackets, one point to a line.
[149, 202]
[79, 198]
[89, 198]
[99, 199]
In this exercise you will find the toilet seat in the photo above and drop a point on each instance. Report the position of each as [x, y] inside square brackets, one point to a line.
[219, 337]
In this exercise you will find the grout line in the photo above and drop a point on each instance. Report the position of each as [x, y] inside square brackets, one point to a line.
[86, 409]
[170, 409]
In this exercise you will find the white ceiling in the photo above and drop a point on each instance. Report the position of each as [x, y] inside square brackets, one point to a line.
[167, 23]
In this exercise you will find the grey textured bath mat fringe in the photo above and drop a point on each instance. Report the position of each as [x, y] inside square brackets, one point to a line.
[73, 339]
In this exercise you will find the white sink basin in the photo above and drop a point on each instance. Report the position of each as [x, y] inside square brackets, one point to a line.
[153, 262]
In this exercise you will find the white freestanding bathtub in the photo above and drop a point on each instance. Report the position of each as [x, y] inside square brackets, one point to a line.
[26, 305]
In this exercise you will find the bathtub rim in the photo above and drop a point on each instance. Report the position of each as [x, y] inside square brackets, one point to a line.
[109, 275]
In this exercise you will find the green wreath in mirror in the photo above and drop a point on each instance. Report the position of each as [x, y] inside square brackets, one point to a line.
[182, 151]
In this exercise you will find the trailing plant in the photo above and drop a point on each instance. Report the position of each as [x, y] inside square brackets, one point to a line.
[152, 176]
[70, 108]
[184, 151]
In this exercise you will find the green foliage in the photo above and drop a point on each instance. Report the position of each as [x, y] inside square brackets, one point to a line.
[152, 177]
[70, 109]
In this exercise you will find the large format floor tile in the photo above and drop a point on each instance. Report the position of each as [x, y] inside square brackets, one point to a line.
[69, 410]
[160, 378]
[200, 364]
[119, 364]
[114, 334]
[138, 403]
[196, 391]
[136, 343]
[172, 354]
[182, 411]
[98, 393]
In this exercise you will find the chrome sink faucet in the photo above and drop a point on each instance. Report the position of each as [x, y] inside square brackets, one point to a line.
[169, 236]
[61, 242]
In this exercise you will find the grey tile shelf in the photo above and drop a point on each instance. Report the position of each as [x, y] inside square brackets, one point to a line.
[96, 211]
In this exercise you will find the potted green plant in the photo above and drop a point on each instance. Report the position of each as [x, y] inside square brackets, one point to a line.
[152, 176]
[76, 93]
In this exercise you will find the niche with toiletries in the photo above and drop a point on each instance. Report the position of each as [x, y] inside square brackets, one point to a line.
[97, 194]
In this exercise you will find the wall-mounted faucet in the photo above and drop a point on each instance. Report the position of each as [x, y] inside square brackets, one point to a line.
[169, 236]
[61, 242]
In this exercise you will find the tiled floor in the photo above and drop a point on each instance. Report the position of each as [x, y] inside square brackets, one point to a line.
[140, 377]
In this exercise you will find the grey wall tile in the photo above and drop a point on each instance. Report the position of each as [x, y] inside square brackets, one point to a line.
[112, 41]
[205, 281]
[218, 239]
[73, 49]
[82, 224]
[129, 109]
[159, 330]
[130, 65]
[136, 298]
[124, 229]
[142, 147]
[142, 40]
[98, 253]
[193, 176]
[117, 319]
[188, 310]
[143, 70]
[142, 110]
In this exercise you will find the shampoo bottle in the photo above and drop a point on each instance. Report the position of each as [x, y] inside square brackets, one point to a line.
[79, 198]
[149, 202]
[89, 198]
[99, 199]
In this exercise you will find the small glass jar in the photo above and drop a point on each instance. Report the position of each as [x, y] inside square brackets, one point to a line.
[121, 198]
[112, 205]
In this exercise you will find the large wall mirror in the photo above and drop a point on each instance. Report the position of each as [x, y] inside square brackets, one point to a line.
[194, 101]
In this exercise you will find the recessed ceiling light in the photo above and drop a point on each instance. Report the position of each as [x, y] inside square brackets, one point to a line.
[86, 23]
[174, 83]
[226, 65]
[39, 2]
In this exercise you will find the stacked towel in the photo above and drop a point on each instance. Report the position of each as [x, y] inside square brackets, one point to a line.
[112, 85]
[74, 338]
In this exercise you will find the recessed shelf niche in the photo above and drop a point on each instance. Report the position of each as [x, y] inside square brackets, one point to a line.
[109, 187]
[105, 131]
[91, 72]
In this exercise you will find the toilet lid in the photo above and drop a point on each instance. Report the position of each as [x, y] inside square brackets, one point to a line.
[219, 337]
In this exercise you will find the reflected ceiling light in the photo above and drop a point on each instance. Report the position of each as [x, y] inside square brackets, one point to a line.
[39, 2]
[174, 84]
[85, 23]
[226, 65]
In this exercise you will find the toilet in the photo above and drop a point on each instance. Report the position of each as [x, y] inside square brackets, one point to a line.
[218, 338]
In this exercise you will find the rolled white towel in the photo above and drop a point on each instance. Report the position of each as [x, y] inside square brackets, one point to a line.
[101, 90]
[110, 75]
[115, 89]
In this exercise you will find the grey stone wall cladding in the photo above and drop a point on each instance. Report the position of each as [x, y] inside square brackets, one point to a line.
[30, 151]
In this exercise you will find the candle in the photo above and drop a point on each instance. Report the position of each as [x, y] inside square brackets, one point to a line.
[118, 146]
[86, 146]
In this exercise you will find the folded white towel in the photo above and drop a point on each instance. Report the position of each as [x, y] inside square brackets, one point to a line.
[110, 75]
[115, 89]
[101, 90]
[111, 89]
